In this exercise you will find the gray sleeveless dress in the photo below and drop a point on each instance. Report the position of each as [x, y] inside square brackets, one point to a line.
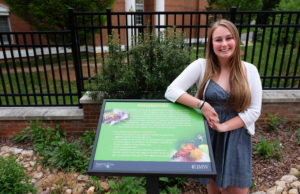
[232, 150]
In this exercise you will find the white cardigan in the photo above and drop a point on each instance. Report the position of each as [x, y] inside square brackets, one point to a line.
[194, 74]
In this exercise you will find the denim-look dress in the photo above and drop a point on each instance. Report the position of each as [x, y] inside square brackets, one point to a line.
[233, 149]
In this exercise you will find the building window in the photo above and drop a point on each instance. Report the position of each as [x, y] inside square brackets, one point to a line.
[139, 7]
[5, 24]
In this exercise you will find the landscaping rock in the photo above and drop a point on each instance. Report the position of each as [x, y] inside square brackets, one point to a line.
[5, 149]
[275, 190]
[27, 153]
[288, 178]
[79, 189]
[296, 185]
[293, 191]
[38, 175]
[32, 163]
[294, 172]
[15, 150]
[91, 190]
[281, 183]
[259, 192]
[105, 186]
[82, 178]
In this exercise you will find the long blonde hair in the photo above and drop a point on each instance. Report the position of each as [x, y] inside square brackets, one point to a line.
[240, 96]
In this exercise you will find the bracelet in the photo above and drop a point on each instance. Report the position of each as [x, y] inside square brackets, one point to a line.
[202, 104]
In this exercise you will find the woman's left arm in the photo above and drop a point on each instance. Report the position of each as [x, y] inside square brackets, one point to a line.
[249, 116]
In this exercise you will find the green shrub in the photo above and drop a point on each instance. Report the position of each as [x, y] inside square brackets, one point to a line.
[145, 70]
[274, 121]
[170, 185]
[13, 178]
[43, 137]
[88, 138]
[51, 144]
[267, 150]
[69, 157]
[128, 185]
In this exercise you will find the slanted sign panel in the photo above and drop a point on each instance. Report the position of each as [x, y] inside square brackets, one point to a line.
[151, 137]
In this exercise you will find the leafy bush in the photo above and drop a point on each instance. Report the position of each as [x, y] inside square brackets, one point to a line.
[267, 150]
[51, 144]
[170, 185]
[69, 157]
[13, 178]
[145, 70]
[43, 137]
[129, 185]
[274, 121]
[88, 138]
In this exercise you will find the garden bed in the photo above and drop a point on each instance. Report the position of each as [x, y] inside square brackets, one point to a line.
[274, 161]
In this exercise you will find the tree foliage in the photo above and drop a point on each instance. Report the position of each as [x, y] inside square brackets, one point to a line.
[53, 15]
[239, 4]
[291, 35]
[144, 71]
[288, 5]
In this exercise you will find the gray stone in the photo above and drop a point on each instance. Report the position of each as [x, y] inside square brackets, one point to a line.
[288, 178]
[5, 149]
[37, 184]
[281, 183]
[38, 175]
[32, 163]
[16, 150]
[26, 165]
[68, 191]
[296, 185]
[79, 189]
[91, 190]
[33, 181]
[293, 191]
[275, 190]
[82, 178]
[105, 186]
[259, 192]
[27, 153]
[294, 171]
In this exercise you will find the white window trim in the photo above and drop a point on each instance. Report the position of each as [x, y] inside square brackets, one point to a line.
[4, 11]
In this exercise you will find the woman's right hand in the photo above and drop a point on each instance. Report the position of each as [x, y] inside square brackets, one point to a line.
[210, 114]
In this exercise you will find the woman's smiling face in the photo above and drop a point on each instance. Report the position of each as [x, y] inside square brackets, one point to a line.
[223, 43]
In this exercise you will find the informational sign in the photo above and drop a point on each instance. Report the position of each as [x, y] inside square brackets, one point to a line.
[151, 137]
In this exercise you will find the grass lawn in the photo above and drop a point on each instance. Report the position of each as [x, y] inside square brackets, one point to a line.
[39, 92]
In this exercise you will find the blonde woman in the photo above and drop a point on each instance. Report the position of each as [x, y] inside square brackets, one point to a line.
[229, 94]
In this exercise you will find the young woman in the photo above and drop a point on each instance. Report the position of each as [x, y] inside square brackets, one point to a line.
[229, 95]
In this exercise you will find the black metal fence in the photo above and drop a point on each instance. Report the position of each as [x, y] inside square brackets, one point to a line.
[61, 63]
[37, 69]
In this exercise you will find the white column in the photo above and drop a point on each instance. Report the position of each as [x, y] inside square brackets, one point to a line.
[130, 7]
[160, 6]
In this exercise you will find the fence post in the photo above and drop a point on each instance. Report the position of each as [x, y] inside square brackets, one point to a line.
[232, 14]
[75, 53]
[109, 23]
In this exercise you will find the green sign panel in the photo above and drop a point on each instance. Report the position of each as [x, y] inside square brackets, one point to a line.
[142, 137]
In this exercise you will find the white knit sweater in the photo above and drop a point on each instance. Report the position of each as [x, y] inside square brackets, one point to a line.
[194, 74]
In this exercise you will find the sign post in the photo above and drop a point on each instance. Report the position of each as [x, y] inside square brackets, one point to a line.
[151, 138]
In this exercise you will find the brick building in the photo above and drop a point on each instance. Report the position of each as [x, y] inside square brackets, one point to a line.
[13, 23]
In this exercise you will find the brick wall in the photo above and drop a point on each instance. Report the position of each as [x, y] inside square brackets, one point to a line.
[9, 128]
[287, 110]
